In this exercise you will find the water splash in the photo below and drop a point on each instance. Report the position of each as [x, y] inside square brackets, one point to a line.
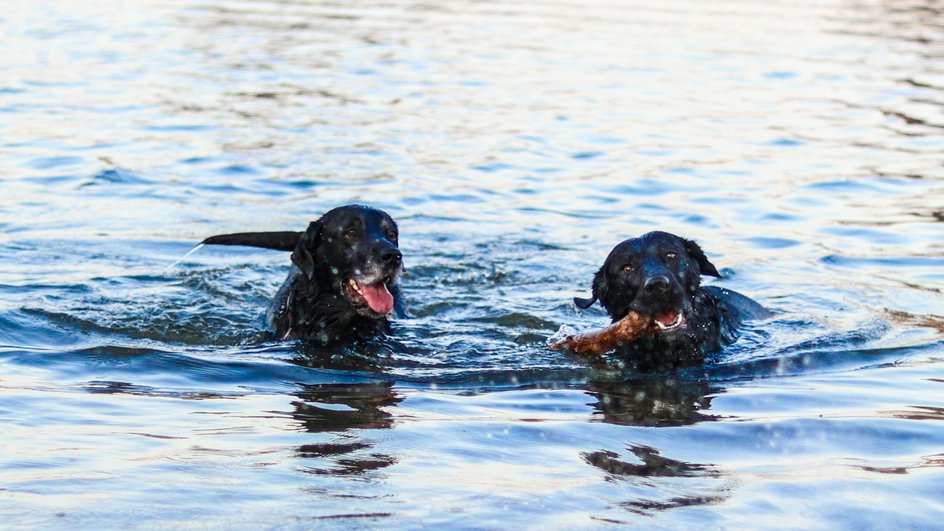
[182, 258]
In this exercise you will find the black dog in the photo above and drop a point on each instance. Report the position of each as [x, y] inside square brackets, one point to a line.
[658, 275]
[343, 281]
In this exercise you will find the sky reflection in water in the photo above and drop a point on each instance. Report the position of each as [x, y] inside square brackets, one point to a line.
[515, 143]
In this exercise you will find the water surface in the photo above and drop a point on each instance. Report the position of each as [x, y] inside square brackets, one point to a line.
[515, 142]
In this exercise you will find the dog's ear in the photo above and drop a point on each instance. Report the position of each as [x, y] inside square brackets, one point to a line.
[599, 292]
[704, 266]
[303, 255]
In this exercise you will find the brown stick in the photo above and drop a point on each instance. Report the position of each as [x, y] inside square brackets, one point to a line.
[600, 341]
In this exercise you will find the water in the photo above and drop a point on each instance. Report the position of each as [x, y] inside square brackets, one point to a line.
[799, 142]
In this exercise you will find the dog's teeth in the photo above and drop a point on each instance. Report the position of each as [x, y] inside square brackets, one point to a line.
[355, 286]
[670, 326]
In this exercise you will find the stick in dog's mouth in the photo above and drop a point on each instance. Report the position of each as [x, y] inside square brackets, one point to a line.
[601, 341]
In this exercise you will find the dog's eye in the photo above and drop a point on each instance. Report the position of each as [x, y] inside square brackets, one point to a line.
[352, 233]
[391, 235]
[671, 256]
[627, 268]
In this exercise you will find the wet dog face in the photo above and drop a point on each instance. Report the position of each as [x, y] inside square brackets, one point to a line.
[352, 252]
[657, 275]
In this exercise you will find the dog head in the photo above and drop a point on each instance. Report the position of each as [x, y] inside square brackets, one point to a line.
[657, 275]
[352, 252]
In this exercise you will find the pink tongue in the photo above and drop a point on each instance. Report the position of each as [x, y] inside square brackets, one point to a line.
[378, 297]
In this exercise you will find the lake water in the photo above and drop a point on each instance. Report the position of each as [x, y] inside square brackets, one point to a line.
[799, 142]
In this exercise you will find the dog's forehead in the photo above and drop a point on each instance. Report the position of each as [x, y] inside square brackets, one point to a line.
[373, 219]
[657, 240]
[625, 251]
[647, 244]
[352, 216]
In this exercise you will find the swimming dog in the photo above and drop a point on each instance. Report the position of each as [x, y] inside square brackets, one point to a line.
[343, 281]
[658, 276]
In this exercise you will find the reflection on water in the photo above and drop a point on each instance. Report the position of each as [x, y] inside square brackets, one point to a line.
[654, 465]
[651, 464]
[929, 461]
[340, 408]
[515, 143]
[664, 401]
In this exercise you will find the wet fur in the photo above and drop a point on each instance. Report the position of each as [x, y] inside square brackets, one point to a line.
[352, 241]
[712, 315]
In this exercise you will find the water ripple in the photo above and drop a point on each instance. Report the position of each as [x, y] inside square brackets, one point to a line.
[515, 143]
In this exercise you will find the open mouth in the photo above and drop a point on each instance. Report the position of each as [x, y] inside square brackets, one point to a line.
[668, 321]
[375, 296]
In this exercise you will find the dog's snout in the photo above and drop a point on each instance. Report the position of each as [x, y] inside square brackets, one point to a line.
[657, 284]
[391, 257]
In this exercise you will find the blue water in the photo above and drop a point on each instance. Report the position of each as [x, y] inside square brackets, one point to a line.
[515, 142]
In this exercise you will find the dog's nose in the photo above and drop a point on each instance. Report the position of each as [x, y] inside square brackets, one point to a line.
[391, 257]
[657, 284]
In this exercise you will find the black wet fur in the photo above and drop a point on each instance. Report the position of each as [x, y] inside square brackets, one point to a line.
[660, 274]
[351, 241]
[279, 241]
